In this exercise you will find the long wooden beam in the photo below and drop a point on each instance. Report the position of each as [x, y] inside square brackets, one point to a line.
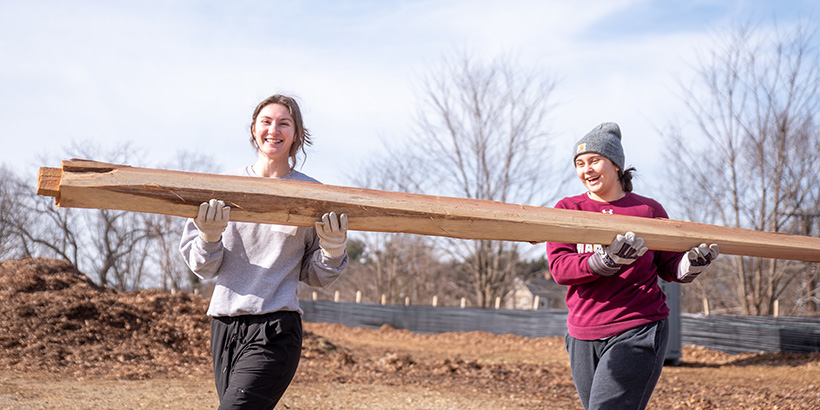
[89, 184]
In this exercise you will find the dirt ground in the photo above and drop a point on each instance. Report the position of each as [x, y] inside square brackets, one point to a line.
[66, 343]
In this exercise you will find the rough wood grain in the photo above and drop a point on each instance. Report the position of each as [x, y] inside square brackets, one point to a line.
[89, 184]
[48, 181]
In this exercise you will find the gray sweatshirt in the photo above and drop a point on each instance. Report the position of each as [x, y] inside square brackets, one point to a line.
[258, 266]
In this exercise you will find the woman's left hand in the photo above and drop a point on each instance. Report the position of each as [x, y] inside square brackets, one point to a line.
[332, 232]
[696, 260]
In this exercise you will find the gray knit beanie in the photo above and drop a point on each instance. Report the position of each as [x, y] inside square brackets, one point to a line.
[604, 139]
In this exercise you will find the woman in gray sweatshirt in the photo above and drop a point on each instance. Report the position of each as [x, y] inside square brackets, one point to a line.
[256, 327]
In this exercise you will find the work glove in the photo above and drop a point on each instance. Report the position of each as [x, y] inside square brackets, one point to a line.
[332, 232]
[212, 220]
[695, 261]
[625, 249]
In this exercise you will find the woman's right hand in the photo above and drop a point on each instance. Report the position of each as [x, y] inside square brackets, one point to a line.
[212, 220]
[625, 249]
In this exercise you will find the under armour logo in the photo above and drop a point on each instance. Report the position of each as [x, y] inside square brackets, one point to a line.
[607, 211]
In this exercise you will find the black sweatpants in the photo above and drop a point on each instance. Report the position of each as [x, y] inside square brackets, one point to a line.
[255, 358]
[619, 372]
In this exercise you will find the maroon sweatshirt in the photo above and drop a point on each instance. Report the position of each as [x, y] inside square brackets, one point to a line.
[604, 306]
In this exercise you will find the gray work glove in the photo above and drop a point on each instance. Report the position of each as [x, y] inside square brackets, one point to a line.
[696, 260]
[212, 220]
[332, 232]
[625, 249]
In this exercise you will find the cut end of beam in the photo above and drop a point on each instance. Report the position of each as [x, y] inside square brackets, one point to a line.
[48, 182]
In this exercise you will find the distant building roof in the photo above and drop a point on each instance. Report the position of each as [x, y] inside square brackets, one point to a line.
[544, 287]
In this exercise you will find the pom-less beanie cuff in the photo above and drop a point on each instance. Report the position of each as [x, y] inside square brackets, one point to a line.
[605, 139]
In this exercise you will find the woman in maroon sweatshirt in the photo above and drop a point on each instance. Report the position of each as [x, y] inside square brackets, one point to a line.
[617, 328]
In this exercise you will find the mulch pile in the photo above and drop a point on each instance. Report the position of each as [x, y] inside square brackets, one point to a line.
[56, 321]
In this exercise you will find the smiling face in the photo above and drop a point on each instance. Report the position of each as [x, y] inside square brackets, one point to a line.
[273, 132]
[600, 176]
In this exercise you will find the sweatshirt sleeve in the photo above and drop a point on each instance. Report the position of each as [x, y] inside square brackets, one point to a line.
[203, 258]
[567, 265]
[667, 263]
[317, 269]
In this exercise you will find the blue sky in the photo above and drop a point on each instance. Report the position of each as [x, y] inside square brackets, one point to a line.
[171, 75]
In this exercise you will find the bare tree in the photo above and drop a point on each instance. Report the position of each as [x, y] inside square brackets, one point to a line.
[403, 266]
[753, 165]
[165, 232]
[480, 133]
[399, 266]
[120, 244]
[114, 243]
[108, 244]
[13, 213]
[42, 230]
[124, 250]
[169, 270]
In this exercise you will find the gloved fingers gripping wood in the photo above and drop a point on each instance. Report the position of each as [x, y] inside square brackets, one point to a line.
[696, 260]
[332, 232]
[212, 220]
[625, 249]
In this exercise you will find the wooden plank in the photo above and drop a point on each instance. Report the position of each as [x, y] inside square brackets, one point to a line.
[88, 184]
[48, 182]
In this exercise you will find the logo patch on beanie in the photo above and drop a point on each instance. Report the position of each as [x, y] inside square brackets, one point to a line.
[581, 148]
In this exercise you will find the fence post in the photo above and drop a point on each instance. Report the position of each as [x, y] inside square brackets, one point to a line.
[463, 303]
[536, 302]
[384, 299]
[358, 296]
[706, 306]
[776, 308]
[497, 302]
[314, 296]
[435, 300]
[407, 301]
[336, 296]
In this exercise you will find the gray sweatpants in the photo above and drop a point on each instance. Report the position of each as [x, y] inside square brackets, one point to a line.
[619, 372]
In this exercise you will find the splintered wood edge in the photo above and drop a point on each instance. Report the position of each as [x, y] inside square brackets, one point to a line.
[48, 182]
[86, 165]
